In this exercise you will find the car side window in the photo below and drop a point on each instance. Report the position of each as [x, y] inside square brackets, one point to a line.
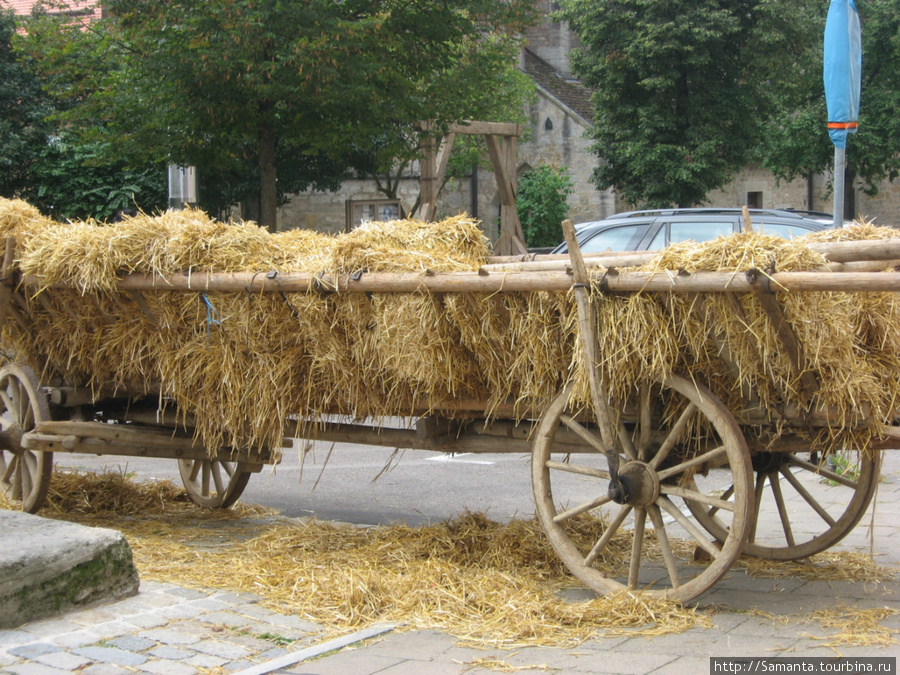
[672, 233]
[781, 230]
[614, 239]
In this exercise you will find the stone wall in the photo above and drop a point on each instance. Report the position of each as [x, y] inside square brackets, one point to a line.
[802, 194]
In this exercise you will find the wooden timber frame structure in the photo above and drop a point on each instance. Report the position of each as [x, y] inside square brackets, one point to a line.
[501, 139]
[671, 440]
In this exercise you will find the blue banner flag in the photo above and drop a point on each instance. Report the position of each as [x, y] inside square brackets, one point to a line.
[843, 70]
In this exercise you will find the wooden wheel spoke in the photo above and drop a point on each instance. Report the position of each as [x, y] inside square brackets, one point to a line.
[215, 468]
[637, 544]
[663, 538]
[803, 492]
[196, 465]
[10, 469]
[8, 404]
[645, 423]
[204, 477]
[758, 489]
[775, 484]
[689, 527]
[627, 444]
[25, 474]
[229, 467]
[582, 432]
[695, 461]
[581, 508]
[608, 533]
[693, 495]
[673, 435]
[824, 472]
[577, 468]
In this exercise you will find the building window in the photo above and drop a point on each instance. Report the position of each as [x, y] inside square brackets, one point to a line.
[548, 124]
[362, 211]
[754, 200]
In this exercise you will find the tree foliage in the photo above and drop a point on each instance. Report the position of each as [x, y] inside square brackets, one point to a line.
[22, 111]
[541, 203]
[291, 93]
[683, 88]
[799, 145]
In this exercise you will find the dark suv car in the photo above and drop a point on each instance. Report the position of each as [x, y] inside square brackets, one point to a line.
[653, 230]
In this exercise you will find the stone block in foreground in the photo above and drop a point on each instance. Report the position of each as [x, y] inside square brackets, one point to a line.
[48, 567]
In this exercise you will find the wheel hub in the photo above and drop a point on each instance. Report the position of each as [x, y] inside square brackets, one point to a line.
[638, 485]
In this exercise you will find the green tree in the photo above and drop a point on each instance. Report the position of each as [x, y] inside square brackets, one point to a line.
[683, 89]
[798, 143]
[293, 93]
[23, 108]
[541, 202]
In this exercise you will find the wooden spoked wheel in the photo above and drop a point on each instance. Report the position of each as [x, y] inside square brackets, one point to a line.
[802, 507]
[212, 483]
[644, 541]
[24, 474]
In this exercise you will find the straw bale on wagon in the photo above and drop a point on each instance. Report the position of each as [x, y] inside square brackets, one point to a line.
[243, 363]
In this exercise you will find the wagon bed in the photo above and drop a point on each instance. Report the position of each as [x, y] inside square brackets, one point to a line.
[661, 454]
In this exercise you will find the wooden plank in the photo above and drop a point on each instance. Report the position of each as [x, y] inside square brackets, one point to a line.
[95, 446]
[487, 128]
[462, 282]
[6, 278]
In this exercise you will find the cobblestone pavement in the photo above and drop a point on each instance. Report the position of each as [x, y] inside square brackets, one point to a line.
[170, 630]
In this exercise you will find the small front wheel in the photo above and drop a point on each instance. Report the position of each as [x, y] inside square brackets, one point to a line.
[213, 483]
[24, 474]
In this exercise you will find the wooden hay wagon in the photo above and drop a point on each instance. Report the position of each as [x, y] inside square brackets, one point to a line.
[654, 467]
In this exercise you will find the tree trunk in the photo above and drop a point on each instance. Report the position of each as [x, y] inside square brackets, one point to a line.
[268, 171]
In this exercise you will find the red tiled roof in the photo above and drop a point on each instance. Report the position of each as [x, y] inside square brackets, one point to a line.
[74, 8]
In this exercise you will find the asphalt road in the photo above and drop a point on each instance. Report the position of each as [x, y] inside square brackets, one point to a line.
[366, 484]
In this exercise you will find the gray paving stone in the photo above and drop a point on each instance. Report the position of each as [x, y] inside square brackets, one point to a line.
[105, 669]
[205, 661]
[273, 653]
[91, 617]
[170, 653]
[9, 638]
[118, 657]
[210, 605]
[167, 668]
[169, 636]
[47, 629]
[76, 639]
[113, 629]
[412, 667]
[224, 619]
[32, 668]
[33, 650]
[224, 650]
[685, 665]
[186, 593]
[181, 611]
[241, 664]
[425, 644]
[291, 622]
[149, 620]
[253, 610]
[350, 662]
[63, 660]
[132, 643]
